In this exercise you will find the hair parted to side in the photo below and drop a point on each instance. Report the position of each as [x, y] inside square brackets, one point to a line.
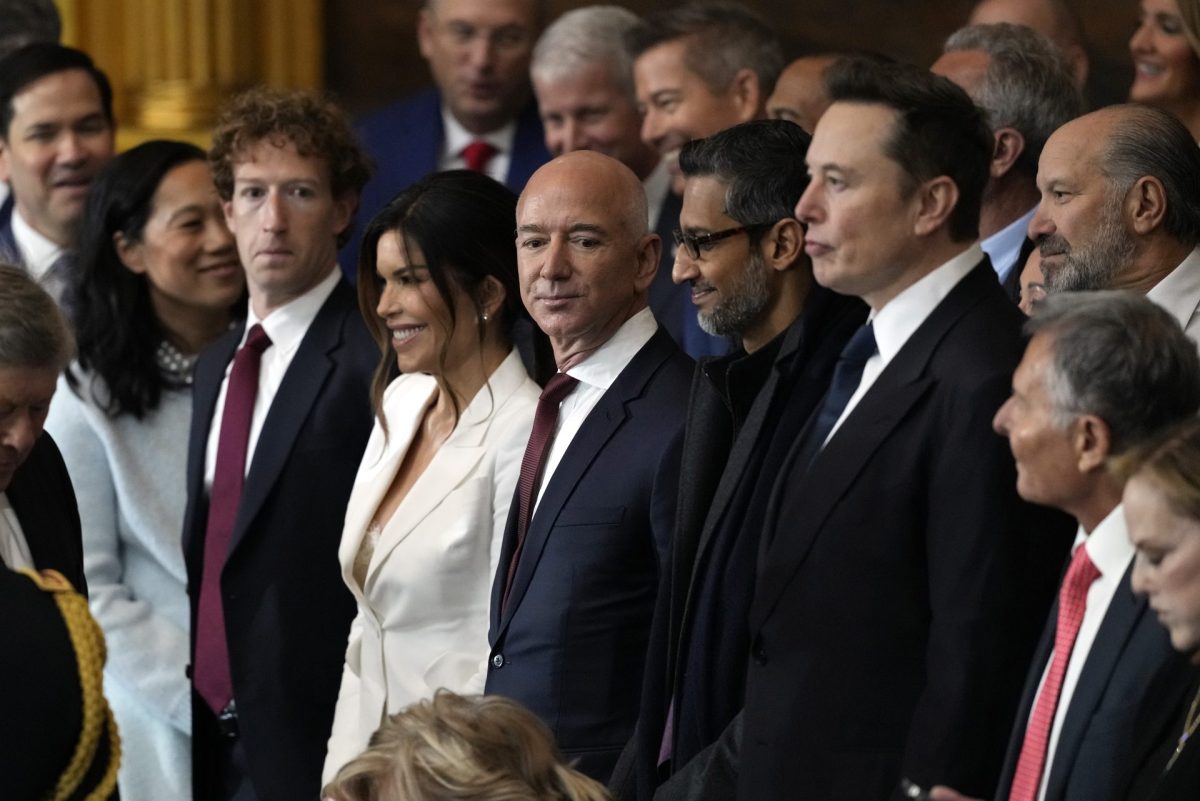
[455, 748]
[33, 62]
[28, 21]
[308, 121]
[721, 38]
[1171, 462]
[1028, 84]
[583, 37]
[1149, 141]
[1120, 357]
[33, 332]
[761, 162]
[938, 131]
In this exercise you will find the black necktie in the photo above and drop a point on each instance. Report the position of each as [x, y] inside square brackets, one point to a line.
[847, 374]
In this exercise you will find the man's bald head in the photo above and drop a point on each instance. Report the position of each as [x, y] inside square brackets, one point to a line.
[608, 182]
[799, 94]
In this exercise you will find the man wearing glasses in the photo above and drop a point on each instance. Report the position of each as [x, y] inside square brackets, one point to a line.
[741, 252]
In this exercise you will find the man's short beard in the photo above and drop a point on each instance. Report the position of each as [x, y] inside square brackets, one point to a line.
[1097, 264]
[743, 305]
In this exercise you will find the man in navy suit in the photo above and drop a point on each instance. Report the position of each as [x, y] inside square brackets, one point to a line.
[591, 524]
[1024, 83]
[901, 580]
[1104, 372]
[281, 415]
[56, 132]
[480, 114]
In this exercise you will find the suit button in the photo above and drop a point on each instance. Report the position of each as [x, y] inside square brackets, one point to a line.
[498, 661]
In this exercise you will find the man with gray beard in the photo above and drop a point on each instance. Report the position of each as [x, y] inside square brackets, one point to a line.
[1120, 208]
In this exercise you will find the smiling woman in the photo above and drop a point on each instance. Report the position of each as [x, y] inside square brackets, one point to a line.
[1166, 65]
[157, 280]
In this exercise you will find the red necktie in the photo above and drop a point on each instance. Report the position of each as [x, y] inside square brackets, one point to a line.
[211, 672]
[545, 420]
[1072, 602]
[478, 154]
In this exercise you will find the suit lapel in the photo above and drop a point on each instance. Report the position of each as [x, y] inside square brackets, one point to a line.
[834, 471]
[599, 427]
[1120, 620]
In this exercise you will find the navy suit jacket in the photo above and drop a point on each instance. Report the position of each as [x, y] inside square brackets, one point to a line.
[287, 612]
[42, 496]
[571, 642]
[405, 140]
[9, 252]
[1129, 694]
[902, 583]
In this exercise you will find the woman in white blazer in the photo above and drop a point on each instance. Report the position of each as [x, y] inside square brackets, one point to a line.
[437, 280]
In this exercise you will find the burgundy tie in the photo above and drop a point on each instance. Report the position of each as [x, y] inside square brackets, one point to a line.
[478, 154]
[545, 420]
[1072, 603]
[211, 671]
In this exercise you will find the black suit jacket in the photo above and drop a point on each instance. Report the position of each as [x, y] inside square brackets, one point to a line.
[287, 612]
[1012, 282]
[1131, 689]
[719, 444]
[571, 643]
[42, 496]
[902, 583]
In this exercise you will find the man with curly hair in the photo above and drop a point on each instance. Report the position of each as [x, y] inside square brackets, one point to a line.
[281, 417]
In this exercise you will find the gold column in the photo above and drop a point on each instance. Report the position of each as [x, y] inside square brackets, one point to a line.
[172, 62]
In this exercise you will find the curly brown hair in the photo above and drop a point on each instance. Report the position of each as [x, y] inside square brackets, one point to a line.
[310, 121]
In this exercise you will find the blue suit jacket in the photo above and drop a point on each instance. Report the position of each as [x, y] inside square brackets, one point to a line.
[405, 140]
[9, 252]
[571, 642]
[287, 612]
[1131, 689]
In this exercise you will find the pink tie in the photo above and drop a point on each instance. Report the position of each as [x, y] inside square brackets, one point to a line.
[1072, 602]
[478, 154]
[545, 419]
[211, 672]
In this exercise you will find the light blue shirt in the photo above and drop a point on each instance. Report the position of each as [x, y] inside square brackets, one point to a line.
[1004, 246]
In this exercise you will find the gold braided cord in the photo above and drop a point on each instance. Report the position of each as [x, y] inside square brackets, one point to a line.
[88, 643]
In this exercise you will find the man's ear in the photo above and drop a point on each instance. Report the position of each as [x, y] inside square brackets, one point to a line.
[937, 199]
[5, 168]
[783, 245]
[344, 206]
[747, 94]
[425, 32]
[1147, 204]
[649, 251]
[1008, 147]
[1092, 441]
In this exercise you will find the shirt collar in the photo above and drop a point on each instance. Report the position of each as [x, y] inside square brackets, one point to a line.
[38, 252]
[457, 137]
[1004, 246]
[1108, 545]
[904, 314]
[287, 325]
[604, 365]
[1179, 292]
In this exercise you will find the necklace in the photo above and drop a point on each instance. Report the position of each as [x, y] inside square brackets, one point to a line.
[1190, 724]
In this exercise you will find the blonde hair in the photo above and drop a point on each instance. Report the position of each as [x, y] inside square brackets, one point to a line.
[1171, 463]
[455, 748]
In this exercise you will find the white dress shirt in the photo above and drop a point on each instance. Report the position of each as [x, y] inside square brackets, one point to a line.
[14, 549]
[1004, 246]
[903, 315]
[38, 254]
[1179, 294]
[1111, 552]
[456, 138]
[286, 326]
[596, 374]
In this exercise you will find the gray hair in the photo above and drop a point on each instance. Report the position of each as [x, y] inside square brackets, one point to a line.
[1120, 357]
[26, 22]
[723, 37]
[1147, 141]
[1028, 84]
[33, 331]
[586, 36]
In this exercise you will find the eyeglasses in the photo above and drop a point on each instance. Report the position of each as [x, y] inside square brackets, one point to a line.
[704, 242]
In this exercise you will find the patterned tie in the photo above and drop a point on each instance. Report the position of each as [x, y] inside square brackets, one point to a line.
[847, 374]
[545, 420]
[478, 154]
[1072, 602]
[211, 672]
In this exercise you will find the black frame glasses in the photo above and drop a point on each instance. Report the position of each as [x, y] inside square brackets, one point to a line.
[694, 243]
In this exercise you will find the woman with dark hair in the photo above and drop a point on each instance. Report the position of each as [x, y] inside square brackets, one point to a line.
[157, 280]
[437, 284]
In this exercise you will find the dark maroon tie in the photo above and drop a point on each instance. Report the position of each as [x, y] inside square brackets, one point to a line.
[211, 671]
[545, 420]
[478, 154]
